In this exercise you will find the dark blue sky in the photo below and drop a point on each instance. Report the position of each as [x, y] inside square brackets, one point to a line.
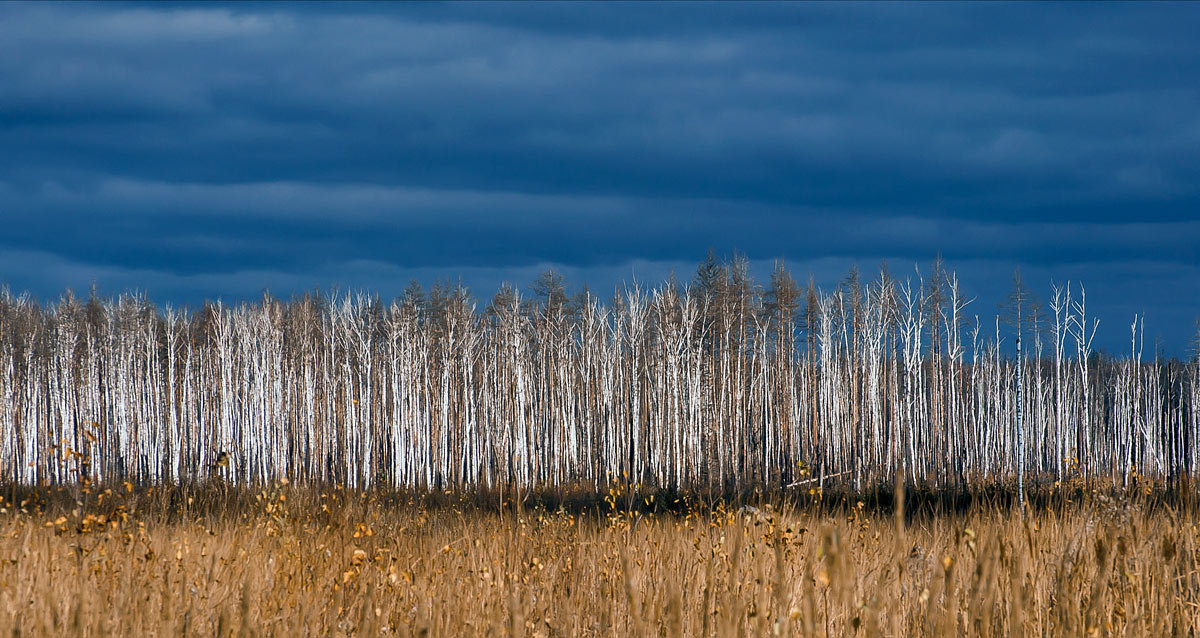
[196, 151]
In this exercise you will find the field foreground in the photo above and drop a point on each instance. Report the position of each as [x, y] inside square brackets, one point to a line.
[284, 561]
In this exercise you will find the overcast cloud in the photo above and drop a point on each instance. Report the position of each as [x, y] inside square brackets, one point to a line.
[198, 151]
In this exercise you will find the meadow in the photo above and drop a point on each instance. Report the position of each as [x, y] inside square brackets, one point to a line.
[293, 561]
[717, 458]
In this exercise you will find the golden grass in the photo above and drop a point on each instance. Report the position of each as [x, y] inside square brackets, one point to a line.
[292, 562]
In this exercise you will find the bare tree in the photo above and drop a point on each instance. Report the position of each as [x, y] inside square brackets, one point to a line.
[719, 383]
[1019, 309]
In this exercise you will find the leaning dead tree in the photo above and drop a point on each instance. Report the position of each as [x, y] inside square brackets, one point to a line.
[717, 383]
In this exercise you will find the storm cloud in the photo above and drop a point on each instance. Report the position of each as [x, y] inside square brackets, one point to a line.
[199, 151]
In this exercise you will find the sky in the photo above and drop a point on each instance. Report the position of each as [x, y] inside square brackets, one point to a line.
[203, 151]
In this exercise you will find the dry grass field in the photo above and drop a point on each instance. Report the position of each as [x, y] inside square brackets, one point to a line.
[286, 561]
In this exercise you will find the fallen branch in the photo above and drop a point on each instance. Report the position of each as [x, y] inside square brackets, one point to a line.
[815, 479]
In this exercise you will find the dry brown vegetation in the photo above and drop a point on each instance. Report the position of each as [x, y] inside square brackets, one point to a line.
[287, 561]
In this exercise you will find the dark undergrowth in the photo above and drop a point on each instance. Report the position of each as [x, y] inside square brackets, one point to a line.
[216, 500]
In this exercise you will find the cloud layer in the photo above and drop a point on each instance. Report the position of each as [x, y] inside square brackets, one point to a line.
[203, 150]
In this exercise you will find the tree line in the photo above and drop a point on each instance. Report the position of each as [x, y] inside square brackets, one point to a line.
[715, 382]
